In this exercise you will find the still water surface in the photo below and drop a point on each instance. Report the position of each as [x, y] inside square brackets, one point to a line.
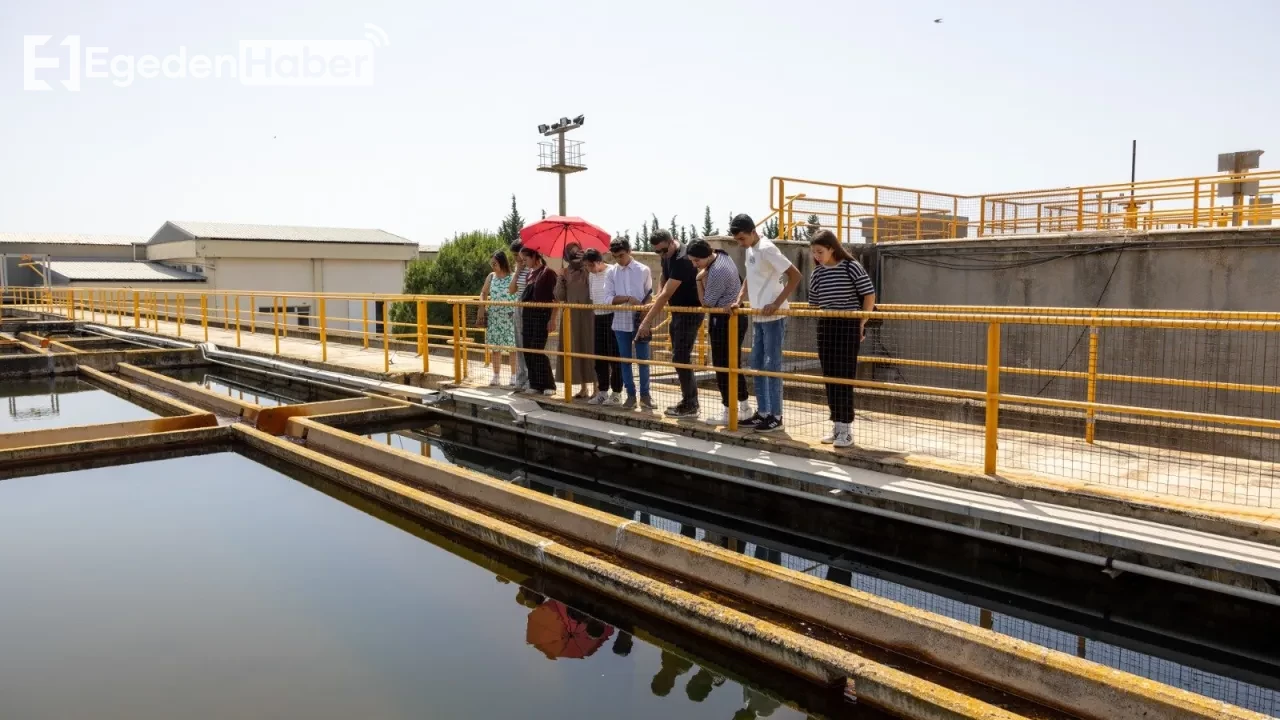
[837, 565]
[216, 587]
[61, 402]
[248, 386]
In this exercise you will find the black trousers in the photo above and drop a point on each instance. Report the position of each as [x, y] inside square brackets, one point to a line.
[718, 332]
[534, 332]
[838, 341]
[608, 374]
[684, 334]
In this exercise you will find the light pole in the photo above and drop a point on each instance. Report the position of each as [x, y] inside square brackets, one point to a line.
[561, 156]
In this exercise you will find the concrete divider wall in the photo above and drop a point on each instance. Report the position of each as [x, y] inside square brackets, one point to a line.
[1072, 684]
[874, 683]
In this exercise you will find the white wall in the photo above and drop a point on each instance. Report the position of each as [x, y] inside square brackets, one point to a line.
[264, 276]
[361, 277]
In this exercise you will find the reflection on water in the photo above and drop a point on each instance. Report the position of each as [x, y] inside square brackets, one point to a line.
[248, 386]
[215, 587]
[834, 568]
[62, 402]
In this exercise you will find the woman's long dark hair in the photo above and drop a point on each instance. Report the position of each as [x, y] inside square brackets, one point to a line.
[504, 264]
[828, 240]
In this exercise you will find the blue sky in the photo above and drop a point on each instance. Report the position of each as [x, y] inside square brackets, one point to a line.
[688, 104]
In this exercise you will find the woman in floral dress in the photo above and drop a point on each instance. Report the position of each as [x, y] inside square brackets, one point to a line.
[500, 328]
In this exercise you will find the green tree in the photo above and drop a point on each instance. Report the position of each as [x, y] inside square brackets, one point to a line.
[654, 227]
[674, 229]
[707, 228]
[459, 269]
[509, 230]
[684, 234]
[811, 226]
[771, 229]
[642, 239]
[693, 232]
[544, 213]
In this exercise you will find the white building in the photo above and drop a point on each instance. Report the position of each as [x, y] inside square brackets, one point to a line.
[255, 261]
[250, 262]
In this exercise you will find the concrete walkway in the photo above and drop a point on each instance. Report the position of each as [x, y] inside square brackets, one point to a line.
[1065, 460]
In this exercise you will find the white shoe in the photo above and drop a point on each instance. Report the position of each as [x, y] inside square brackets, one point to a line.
[550, 393]
[598, 399]
[614, 399]
[721, 419]
[830, 437]
[844, 440]
[744, 410]
[495, 381]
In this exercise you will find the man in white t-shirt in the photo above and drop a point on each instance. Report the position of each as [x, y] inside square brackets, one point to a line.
[771, 278]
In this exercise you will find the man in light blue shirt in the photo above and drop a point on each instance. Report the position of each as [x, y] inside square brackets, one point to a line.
[629, 283]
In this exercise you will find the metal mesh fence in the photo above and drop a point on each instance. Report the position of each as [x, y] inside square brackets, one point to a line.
[1172, 407]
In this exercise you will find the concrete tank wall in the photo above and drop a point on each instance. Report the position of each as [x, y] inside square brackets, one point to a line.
[1209, 269]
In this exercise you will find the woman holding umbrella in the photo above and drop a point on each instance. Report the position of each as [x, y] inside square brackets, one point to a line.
[537, 321]
[554, 237]
[573, 287]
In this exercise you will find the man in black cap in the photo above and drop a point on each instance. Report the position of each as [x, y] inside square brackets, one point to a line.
[680, 289]
[771, 278]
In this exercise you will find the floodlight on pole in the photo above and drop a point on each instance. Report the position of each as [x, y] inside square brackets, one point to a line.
[561, 156]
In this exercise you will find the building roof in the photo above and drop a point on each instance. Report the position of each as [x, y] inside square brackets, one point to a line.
[119, 271]
[281, 233]
[14, 238]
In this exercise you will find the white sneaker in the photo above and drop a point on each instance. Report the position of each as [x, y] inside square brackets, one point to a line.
[550, 393]
[843, 440]
[830, 437]
[720, 419]
[495, 381]
[614, 399]
[598, 399]
[744, 410]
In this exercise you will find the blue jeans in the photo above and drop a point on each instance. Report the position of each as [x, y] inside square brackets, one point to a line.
[626, 344]
[766, 354]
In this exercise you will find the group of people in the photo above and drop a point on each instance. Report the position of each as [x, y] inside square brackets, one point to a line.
[695, 277]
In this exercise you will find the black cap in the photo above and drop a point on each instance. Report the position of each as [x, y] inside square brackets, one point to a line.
[741, 223]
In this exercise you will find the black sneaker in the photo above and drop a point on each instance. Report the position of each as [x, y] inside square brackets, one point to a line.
[683, 410]
[769, 424]
[752, 422]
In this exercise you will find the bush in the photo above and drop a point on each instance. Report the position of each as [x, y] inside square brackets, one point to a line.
[459, 269]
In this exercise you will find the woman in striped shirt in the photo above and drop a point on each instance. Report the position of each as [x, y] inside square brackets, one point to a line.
[839, 283]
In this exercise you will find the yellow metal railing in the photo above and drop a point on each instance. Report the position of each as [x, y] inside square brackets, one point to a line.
[330, 319]
[1172, 401]
[882, 213]
[998, 338]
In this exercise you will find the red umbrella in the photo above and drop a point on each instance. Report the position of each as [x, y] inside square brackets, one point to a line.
[551, 235]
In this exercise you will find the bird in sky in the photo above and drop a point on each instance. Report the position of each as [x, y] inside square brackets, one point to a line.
[937, 20]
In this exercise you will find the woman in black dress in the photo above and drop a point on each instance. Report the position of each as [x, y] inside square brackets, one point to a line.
[536, 322]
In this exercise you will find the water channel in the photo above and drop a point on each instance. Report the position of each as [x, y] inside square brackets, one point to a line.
[216, 586]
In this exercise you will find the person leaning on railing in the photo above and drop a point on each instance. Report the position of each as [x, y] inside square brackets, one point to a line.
[629, 283]
[608, 372]
[839, 283]
[680, 289]
[718, 287]
[771, 278]
[541, 288]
